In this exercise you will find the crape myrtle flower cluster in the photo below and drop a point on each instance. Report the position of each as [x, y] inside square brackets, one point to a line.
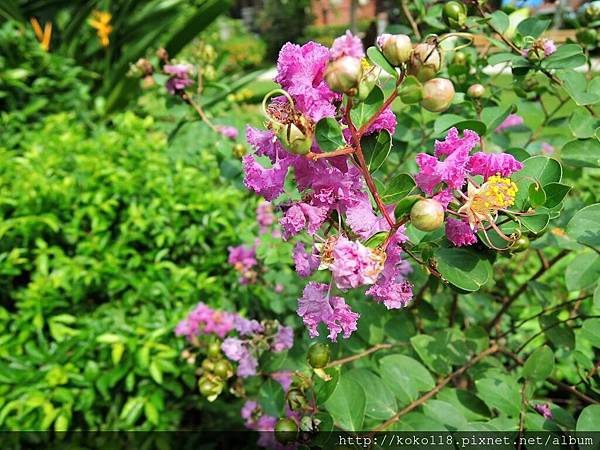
[215, 333]
[335, 188]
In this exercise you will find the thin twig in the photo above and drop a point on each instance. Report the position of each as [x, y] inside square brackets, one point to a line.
[438, 387]
[553, 381]
[511, 299]
[375, 348]
[411, 20]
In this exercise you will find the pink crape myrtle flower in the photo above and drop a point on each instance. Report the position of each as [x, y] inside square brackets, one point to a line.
[236, 350]
[451, 170]
[179, 79]
[460, 233]
[544, 410]
[283, 339]
[317, 306]
[512, 120]
[488, 164]
[354, 264]
[347, 45]
[228, 131]
[300, 72]
[205, 320]
[305, 263]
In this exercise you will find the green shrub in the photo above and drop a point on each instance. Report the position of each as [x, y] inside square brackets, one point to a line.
[105, 243]
[34, 83]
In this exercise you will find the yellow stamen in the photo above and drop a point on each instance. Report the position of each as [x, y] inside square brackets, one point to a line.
[496, 193]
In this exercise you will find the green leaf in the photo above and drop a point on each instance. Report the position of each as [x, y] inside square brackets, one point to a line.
[536, 223]
[559, 334]
[582, 153]
[380, 403]
[155, 372]
[410, 91]
[503, 57]
[537, 195]
[576, 85]
[470, 406]
[271, 398]
[405, 376]
[539, 365]
[447, 121]
[465, 268]
[377, 58]
[324, 389]
[405, 205]
[398, 188]
[329, 135]
[363, 112]
[494, 116]
[582, 124]
[568, 56]
[500, 21]
[589, 419]
[591, 331]
[445, 413]
[498, 393]
[151, 413]
[583, 226]
[347, 404]
[538, 168]
[555, 193]
[376, 148]
[583, 271]
[597, 297]
[533, 27]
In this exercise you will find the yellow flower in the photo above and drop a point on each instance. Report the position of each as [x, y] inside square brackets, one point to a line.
[101, 23]
[482, 203]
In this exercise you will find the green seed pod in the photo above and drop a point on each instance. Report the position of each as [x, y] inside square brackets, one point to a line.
[427, 215]
[210, 387]
[296, 400]
[318, 355]
[476, 91]
[214, 349]
[208, 365]
[454, 14]
[223, 369]
[286, 431]
[437, 94]
[425, 61]
[396, 48]
[460, 59]
[344, 74]
[520, 245]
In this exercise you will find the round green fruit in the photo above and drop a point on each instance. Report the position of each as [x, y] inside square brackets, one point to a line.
[344, 74]
[460, 59]
[454, 14]
[520, 245]
[476, 91]
[318, 355]
[223, 369]
[437, 94]
[214, 349]
[286, 431]
[427, 215]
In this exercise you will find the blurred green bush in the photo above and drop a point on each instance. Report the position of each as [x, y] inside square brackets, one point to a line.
[105, 243]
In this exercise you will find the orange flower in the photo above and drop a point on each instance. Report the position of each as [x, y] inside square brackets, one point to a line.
[42, 36]
[101, 23]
